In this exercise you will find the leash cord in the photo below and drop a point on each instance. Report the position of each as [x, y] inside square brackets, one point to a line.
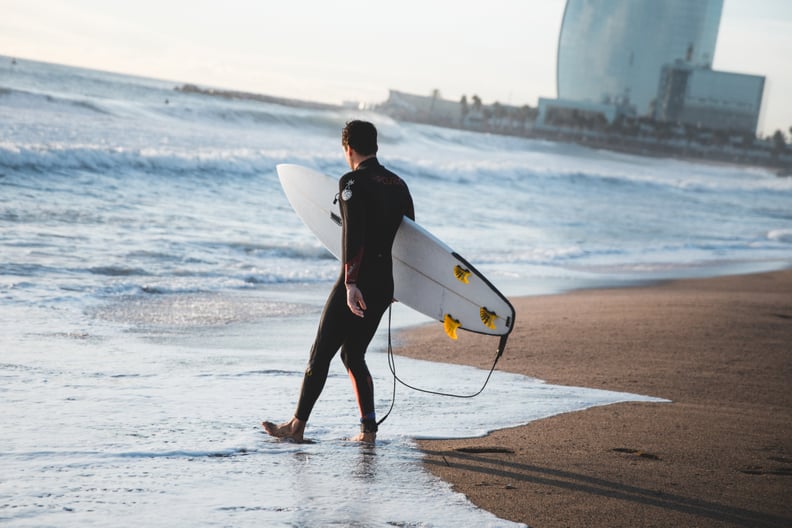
[392, 366]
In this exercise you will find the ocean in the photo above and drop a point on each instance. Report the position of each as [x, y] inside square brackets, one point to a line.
[158, 297]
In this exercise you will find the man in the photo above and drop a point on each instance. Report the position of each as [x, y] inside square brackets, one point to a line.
[373, 201]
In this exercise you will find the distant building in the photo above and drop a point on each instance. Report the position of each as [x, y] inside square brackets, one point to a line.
[613, 50]
[709, 99]
[564, 112]
[649, 58]
[473, 115]
[420, 108]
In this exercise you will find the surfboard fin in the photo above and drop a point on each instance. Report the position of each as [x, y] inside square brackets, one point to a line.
[487, 317]
[461, 274]
[450, 325]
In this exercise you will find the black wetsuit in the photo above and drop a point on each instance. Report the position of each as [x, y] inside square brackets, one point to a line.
[373, 201]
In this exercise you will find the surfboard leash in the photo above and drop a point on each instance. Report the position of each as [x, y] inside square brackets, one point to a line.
[392, 366]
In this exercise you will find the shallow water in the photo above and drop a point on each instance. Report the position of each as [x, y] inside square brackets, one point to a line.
[158, 428]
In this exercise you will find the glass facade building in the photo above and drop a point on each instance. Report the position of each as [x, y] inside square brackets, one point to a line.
[704, 97]
[613, 51]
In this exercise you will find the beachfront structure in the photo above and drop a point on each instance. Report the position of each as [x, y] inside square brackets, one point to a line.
[706, 98]
[472, 115]
[634, 56]
[612, 51]
[422, 108]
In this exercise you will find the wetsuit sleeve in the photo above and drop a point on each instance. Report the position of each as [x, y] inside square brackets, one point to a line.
[354, 226]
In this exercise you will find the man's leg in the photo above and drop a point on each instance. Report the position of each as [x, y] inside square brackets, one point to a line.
[353, 353]
[329, 337]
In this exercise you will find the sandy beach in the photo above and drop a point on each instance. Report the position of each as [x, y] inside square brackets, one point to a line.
[718, 454]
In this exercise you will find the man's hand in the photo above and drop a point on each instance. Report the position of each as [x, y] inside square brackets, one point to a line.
[355, 300]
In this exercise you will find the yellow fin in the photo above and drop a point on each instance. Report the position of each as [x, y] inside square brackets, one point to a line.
[487, 317]
[461, 274]
[450, 325]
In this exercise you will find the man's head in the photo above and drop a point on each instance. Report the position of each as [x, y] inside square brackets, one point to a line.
[361, 136]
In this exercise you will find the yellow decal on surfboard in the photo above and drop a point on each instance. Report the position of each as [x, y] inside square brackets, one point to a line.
[461, 274]
[450, 325]
[487, 317]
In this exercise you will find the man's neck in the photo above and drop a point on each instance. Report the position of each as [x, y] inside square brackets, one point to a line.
[357, 160]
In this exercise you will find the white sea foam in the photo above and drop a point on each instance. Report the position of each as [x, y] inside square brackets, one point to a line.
[780, 235]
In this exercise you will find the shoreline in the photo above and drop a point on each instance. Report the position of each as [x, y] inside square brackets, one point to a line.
[719, 454]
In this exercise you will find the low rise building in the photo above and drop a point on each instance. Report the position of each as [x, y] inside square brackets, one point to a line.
[708, 98]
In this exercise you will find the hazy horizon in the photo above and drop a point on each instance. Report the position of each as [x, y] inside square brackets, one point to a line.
[357, 51]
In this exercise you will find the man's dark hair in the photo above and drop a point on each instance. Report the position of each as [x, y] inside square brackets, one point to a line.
[361, 136]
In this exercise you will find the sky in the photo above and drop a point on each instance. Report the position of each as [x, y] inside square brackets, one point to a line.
[355, 50]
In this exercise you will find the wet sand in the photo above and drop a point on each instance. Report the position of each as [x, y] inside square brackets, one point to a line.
[719, 454]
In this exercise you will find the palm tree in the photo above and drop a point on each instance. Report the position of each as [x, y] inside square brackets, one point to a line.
[523, 114]
[463, 108]
[779, 142]
[435, 97]
[476, 103]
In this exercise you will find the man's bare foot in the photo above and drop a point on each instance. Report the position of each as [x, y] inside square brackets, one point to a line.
[293, 430]
[366, 438]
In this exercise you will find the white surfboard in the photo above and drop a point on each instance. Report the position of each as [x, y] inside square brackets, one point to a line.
[428, 275]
